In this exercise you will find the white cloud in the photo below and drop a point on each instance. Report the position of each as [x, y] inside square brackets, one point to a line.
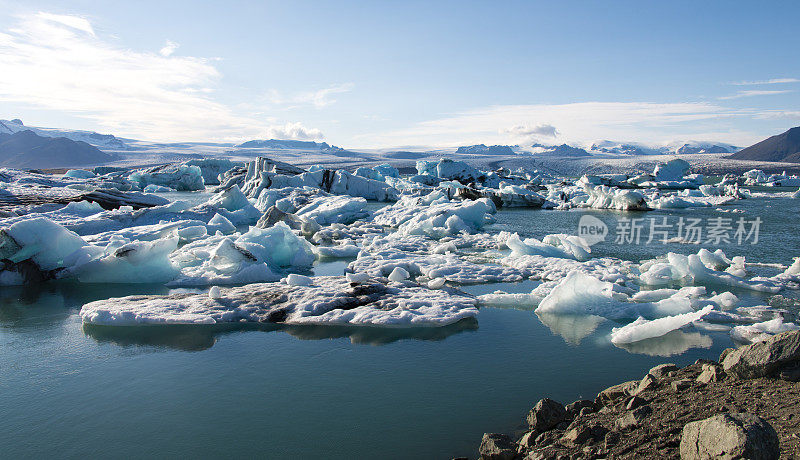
[74, 22]
[58, 63]
[292, 131]
[580, 123]
[169, 48]
[319, 98]
[756, 92]
[772, 81]
[538, 130]
[779, 114]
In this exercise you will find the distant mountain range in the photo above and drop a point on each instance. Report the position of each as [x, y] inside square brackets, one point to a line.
[27, 150]
[680, 148]
[287, 144]
[562, 150]
[102, 141]
[483, 149]
[783, 147]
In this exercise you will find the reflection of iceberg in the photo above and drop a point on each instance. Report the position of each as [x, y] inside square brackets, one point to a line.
[573, 328]
[378, 335]
[196, 338]
[179, 337]
[673, 343]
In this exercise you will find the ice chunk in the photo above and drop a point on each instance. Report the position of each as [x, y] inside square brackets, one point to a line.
[179, 177]
[293, 279]
[278, 246]
[221, 224]
[559, 246]
[79, 174]
[673, 170]
[762, 331]
[153, 188]
[399, 274]
[40, 239]
[214, 292]
[334, 209]
[642, 329]
[356, 277]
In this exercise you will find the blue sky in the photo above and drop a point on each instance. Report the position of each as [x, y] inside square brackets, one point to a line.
[391, 74]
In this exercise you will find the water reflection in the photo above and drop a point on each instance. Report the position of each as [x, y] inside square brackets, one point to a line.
[197, 338]
[673, 343]
[572, 328]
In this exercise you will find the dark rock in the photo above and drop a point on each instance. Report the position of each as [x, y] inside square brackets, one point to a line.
[577, 407]
[635, 402]
[548, 438]
[496, 446]
[680, 385]
[527, 441]
[792, 374]
[582, 434]
[730, 436]
[765, 358]
[546, 415]
[611, 440]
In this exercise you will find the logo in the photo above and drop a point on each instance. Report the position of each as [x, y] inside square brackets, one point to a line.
[592, 229]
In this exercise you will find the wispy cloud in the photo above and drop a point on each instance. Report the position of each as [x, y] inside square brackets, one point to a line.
[293, 131]
[320, 98]
[578, 123]
[169, 48]
[756, 92]
[772, 81]
[59, 63]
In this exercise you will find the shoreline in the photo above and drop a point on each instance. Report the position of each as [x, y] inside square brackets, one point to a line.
[745, 404]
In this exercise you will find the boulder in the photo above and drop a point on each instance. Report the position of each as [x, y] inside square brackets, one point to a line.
[765, 358]
[576, 408]
[616, 392]
[582, 434]
[632, 418]
[546, 415]
[661, 371]
[648, 382]
[711, 373]
[496, 446]
[729, 436]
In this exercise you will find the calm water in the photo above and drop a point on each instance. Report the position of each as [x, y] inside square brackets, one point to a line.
[73, 391]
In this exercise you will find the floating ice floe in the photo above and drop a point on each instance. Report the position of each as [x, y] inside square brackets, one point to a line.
[642, 328]
[329, 300]
[761, 331]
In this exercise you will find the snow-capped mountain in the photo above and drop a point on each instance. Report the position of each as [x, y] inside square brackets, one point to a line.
[562, 150]
[483, 149]
[287, 144]
[101, 141]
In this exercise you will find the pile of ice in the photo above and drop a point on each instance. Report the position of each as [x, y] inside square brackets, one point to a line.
[758, 177]
[358, 301]
[436, 216]
[181, 177]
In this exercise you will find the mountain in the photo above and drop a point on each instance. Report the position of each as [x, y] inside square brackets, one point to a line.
[623, 148]
[783, 147]
[482, 149]
[562, 150]
[287, 144]
[102, 141]
[704, 148]
[26, 149]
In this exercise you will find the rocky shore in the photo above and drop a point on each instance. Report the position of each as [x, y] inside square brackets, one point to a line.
[746, 405]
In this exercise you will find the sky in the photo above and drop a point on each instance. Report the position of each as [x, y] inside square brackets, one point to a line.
[404, 74]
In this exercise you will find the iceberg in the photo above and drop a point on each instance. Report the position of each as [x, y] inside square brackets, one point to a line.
[329, 300]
